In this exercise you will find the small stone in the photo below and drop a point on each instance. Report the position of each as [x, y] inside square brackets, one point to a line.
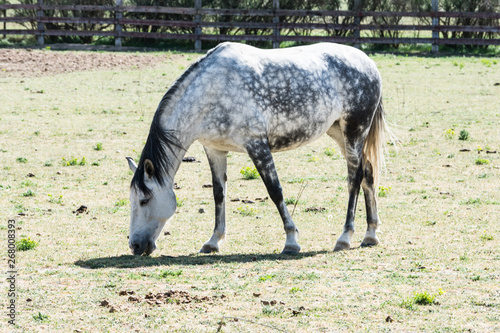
[389, 319]
[28, 299]
[235, 199]
[167, 233]
[256, 294]
[123, 293]
[273, 302]
[207, 186]
[30, 175]
[113, 309]
[189, 159]
[80, 210]
[104, 303]
[248, 201]
[265, 302]
[201, 211]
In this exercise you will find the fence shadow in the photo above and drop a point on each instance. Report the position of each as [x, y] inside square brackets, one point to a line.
[130, 261]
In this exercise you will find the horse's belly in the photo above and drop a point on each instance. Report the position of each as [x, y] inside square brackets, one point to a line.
[292, 137]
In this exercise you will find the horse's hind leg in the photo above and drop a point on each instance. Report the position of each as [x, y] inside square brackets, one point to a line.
[260, 153]
[353, 155]
[371, 206]
[218, 165]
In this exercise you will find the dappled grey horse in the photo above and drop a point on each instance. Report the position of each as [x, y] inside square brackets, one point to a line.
[240, 98]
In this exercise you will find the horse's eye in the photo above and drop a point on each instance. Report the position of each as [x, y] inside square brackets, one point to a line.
[143, 202]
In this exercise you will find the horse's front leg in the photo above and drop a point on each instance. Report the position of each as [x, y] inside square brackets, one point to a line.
[260, 153]
[218, 165]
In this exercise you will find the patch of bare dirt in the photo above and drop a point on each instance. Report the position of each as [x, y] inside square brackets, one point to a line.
[30, 63]
[315, 209]
[172, 297]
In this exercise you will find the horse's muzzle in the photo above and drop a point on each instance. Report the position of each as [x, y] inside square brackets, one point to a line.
[146, 247]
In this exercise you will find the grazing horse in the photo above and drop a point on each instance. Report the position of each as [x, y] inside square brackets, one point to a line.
[243, 99]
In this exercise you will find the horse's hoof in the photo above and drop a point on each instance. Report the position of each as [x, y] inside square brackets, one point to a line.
[209, 248]
[340, 246]
[369, 241]
[291, 249]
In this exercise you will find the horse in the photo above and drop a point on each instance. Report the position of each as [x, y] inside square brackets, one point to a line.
[244, 99]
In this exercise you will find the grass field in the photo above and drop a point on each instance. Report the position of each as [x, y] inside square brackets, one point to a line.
[437, 268]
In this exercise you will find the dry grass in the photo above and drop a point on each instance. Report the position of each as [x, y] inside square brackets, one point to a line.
[439, 210]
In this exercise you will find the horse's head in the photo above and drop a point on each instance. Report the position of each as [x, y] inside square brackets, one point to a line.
[152, 204]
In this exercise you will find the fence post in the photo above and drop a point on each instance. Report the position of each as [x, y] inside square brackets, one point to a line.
[4, 23]
[435, 23]
[357, 21]
[276, 21]
[40, 25]
[197, 29]
[118, 26]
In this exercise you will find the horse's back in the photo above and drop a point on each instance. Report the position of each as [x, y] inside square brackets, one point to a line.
[292, 96]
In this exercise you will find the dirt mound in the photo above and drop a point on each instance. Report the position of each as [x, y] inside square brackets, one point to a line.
[29, 63]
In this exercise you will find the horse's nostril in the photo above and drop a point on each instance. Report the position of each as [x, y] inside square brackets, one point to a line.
[135, 246]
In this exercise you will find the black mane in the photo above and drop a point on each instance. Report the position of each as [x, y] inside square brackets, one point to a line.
[158, 146]
[161, 142]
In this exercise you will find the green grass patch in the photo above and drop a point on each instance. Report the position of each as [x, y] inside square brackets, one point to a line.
[170, 273]
[267, 277]
[98, 146]
[482, 161]
[73, 161]
[28, 193]
[25, 244]
[247, 211]
[383, 191]
[249, 173]
[464, 135]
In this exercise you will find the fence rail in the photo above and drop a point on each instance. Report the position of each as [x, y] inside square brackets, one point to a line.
[200, 30]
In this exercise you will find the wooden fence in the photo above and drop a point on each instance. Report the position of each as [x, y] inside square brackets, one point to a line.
[203, 24]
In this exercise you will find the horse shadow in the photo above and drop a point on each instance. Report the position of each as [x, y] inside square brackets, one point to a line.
[130, 261]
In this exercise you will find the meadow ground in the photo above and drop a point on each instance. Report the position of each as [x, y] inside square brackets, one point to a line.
[437, 268]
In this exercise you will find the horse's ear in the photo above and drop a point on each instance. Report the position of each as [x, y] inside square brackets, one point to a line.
[131, 164]
[149, 168]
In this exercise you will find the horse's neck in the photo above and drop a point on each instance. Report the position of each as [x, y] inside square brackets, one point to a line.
[175, 154]
[175, 162]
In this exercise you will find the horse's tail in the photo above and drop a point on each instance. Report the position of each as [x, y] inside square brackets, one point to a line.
[373, 147]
